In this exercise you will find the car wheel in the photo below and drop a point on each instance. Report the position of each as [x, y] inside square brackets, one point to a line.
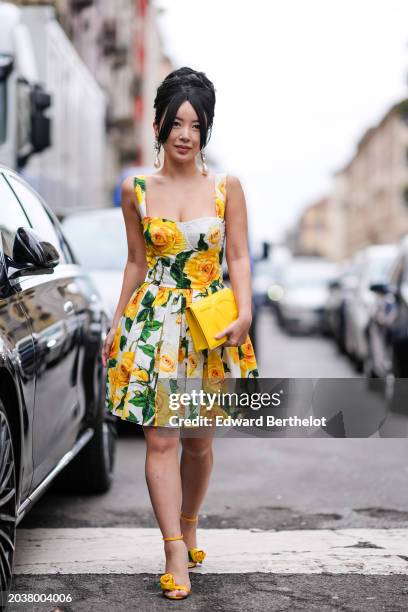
[91, 471]
[8, 506]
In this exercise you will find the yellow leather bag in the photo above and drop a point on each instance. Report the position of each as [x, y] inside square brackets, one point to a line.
[210, 315]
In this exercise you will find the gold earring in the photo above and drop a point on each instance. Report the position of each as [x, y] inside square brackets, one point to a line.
[157, 159]
[204, 169]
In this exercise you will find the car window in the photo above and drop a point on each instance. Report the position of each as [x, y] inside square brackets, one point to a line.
[98, 240]
[41, 221]
[12, 217]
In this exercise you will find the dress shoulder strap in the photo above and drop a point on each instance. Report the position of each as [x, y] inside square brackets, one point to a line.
[139, 185]
[221, 193]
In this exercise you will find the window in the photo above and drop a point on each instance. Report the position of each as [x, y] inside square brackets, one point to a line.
[40, 219]
[12, 217]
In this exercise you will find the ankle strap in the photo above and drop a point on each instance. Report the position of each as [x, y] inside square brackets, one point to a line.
[192, 519]
[179, 537]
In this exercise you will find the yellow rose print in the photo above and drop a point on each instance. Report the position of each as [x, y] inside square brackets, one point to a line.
[115, 385]
[234, 353]
[214, 235]
[219, 206]
[168, 358]
[151, 260]
[192, 363]
[249, 354]
[181, 354]
[125, 413]
[162, 296]
[216, 410]
[140, 374]
[133, 305]
[162, 406]
[215, 367]
[139, 193]
[125, 366]
[203, 268]
[115, 344]
[166, 237]
[222, 187]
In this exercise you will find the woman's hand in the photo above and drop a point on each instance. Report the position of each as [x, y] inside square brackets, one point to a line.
[237, 332]
[107, 345]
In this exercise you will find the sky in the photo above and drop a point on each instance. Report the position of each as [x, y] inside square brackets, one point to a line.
[297, 85]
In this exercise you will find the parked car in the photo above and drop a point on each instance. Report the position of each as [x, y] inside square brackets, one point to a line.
[305, 282]
[387, 332]
[370, 265]
[54, 426]
[339, 294]
[266, 274]
[98, 239]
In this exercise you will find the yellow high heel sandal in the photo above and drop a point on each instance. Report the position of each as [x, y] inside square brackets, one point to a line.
[168, 583]
[195, 555]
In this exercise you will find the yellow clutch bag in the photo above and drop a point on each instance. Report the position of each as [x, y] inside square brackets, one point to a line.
[210, 315]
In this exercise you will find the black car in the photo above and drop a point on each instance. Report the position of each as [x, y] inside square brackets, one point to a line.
[387, 332]
[54, 426]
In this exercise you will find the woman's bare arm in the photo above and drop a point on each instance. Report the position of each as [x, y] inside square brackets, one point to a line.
[237, 251]
[136, 266]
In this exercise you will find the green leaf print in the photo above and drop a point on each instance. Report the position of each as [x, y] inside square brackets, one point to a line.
[215, 285]
[173, 385]
[139, 400]
[139, 181]
[128, 325]
[149, 408]
[122, 342]
[226, 368]
[148, 299]
[131, 417]
[148, 328]
[147, 236]
[220, 255]
[112, 363]
[143, 314]
[148, 349]
[202, 245]
[177, 269]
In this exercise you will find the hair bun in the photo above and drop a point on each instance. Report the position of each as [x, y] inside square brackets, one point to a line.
[188, 76]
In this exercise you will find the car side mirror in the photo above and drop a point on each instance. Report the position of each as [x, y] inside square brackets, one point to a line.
[383, 288]
[31, 255]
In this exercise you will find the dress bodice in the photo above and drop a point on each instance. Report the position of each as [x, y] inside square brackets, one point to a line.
[184, 254]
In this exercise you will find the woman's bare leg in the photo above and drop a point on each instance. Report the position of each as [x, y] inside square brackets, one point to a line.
[164, 484]
[195, 468]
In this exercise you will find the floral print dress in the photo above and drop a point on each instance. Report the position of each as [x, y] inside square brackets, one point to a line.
[152, 354]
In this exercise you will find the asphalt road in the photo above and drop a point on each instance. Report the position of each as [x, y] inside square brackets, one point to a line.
[288, 523]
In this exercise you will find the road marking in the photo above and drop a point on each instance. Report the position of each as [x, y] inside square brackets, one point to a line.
[132, 551]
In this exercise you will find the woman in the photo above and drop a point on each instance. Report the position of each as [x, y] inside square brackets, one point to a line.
[176, 224]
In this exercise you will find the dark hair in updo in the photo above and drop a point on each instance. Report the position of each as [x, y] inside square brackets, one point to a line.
[181, 85]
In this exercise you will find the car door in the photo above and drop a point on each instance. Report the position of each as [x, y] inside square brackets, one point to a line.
[17, 355]
[51, 303]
